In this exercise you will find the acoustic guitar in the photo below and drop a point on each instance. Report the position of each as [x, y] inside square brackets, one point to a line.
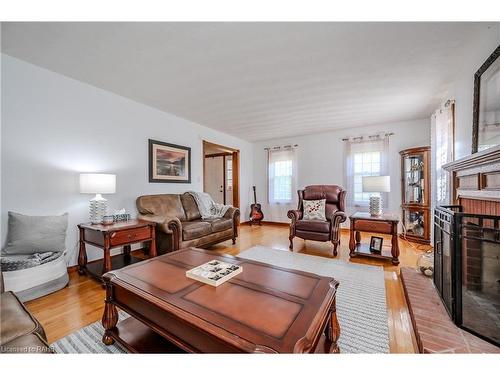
[256, 214]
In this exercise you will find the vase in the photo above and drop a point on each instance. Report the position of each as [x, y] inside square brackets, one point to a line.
[425, 263]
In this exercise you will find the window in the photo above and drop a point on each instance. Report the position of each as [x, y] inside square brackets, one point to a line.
[364, 158]
[229, 173]
[365, 164]
[282, 175]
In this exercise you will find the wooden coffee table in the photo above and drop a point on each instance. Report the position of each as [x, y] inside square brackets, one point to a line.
[264, 309]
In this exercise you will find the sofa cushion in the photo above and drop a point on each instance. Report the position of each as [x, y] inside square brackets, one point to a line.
[16, 321]
[314, 236]
[218, 225]
[161, 205]
[195, 229]
[313, 226]
[35, 234]
[190, 207]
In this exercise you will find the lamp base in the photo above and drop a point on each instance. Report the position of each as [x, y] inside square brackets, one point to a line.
[97, 209]
[375, 205]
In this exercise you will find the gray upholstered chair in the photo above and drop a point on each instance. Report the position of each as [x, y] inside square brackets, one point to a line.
[33, 260]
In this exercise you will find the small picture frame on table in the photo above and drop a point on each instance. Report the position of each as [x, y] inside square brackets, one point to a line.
[376, 244]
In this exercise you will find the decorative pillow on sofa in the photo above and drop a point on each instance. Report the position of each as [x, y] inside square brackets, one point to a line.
[35, 234]
[314, 210]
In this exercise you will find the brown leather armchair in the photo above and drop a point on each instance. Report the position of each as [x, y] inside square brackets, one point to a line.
[318, 230]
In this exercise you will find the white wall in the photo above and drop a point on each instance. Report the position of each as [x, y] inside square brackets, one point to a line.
[1, 127]
[321, 160]
[479, 49]
[54, 127]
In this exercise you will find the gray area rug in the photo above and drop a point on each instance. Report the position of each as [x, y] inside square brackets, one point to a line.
[361, 304]
[88, 340]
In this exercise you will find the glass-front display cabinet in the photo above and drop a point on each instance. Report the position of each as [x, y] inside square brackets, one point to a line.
[415, 183]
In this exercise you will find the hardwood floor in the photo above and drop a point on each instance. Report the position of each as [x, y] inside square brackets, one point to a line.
[82, 302]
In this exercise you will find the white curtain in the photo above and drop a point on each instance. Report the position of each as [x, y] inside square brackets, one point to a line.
[442, 149]
[282, 175]
[365, 156]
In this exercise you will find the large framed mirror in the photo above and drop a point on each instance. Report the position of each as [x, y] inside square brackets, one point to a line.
[486, 106]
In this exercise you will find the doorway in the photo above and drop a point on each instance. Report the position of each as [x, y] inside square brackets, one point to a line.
[221, 173]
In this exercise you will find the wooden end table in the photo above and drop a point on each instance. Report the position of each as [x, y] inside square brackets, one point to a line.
[110, 236]
[383, 224]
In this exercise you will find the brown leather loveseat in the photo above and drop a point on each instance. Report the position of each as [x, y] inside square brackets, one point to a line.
[319, 230]
[179, 223]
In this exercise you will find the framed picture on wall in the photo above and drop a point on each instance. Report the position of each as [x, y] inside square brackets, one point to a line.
[169, 162]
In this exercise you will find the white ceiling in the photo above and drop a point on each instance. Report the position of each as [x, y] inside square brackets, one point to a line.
[258, 80]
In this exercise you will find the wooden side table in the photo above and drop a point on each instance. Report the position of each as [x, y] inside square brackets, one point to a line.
[384, 224]
[110, 236]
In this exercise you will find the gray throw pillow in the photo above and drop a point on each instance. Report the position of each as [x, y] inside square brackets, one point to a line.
[35, 234]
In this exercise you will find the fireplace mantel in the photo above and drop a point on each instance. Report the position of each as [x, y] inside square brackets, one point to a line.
[476, 176]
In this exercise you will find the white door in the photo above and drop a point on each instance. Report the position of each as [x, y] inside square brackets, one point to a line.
[214, 178]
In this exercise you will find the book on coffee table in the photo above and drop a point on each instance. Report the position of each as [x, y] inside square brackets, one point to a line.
[214, 272]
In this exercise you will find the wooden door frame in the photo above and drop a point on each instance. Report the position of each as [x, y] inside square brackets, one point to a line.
[235, 153]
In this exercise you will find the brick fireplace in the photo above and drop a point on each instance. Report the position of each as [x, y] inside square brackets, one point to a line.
[474, 259]
[465, 294]
[467, 269]
[476, 281]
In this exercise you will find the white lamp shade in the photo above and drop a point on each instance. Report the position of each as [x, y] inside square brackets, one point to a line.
[376, 184]
[97, 183]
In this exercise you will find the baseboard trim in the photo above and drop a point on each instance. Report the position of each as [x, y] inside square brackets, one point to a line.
[75, 267]
[277, 223]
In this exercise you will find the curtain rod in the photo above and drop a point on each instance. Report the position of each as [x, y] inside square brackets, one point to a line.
[447, 104]
[368, 137]
[279, 147]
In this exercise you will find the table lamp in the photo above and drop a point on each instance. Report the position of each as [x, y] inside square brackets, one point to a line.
[376, 184]
[97, 183]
